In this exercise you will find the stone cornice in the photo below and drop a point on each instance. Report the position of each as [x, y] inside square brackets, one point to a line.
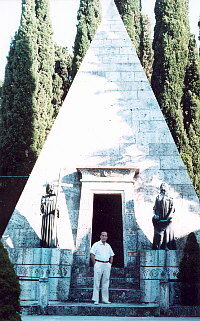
[108, 174]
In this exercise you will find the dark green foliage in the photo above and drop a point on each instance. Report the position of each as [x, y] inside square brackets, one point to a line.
[61, 77]
[26, 110]
[9, 289]
[195, 143]
[1, 84]
[130, 12]
[189, 272]
[17, 110]
[191, 108]
[89, 17]
[43, 119]
[191, 97]
[170, 55]
[139, 30]
[146, 51]
[1, 87]
[170, 44]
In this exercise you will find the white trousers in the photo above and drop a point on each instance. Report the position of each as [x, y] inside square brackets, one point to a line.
[101, 275]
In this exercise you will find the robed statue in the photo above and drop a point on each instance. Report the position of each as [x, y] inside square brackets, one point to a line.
[163, 221]
[50, 213]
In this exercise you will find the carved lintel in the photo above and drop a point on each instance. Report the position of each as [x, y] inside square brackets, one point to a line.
[108, 174]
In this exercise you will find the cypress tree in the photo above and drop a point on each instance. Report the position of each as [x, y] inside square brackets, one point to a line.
[191, 108]
[89, 17]
[18, 97]
[189, 272]
[1, 89]
[170, 44]
[146, 51]
[139, 30]
[194, 143]
[61, 77]
[1, 85]
[27, 110]
[17, 112]
[45, 65]
[130, 12]
[192, 88]
[10, 289]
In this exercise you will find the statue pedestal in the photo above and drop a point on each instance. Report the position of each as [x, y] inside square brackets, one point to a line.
[157, 268]
[164, 296]
[44, 273]
[43, 297]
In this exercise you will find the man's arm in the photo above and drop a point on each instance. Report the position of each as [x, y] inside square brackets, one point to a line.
[92, 256]
[111, 260]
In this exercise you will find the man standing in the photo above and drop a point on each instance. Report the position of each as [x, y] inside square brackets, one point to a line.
[101, 255]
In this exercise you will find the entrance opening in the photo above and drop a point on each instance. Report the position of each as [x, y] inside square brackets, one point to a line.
[107, 216]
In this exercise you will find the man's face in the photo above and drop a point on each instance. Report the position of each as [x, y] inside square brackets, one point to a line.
[103, 237]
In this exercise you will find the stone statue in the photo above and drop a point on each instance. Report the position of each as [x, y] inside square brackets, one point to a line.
[50, 213]
[162, 221]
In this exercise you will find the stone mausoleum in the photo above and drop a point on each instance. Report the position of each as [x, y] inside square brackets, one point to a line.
[106, 155]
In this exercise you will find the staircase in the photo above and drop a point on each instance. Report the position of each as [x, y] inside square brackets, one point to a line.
[124, 293]
[124, 287]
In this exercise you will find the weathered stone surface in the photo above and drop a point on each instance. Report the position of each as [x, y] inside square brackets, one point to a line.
[184, 311]
[43, 295]
[59, 288]
[159, 258]
[158, 273]
[115, 295]
[164, 296]
[30, 289]
[86, 309]
[149, 291]
[157, 269]
[40, 270]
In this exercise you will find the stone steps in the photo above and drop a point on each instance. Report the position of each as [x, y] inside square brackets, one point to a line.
[115, 295]
[115, 272]
[88, 309]
[129, 283]
[124, 285]
[122, 276]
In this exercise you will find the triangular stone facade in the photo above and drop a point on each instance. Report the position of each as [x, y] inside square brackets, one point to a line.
[110, 137]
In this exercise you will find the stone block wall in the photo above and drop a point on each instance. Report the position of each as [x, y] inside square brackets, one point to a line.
[43, 273]
[158, 270]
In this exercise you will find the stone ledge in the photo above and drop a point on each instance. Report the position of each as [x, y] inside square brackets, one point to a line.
[88, 309]
[183, 311]
[114, 309]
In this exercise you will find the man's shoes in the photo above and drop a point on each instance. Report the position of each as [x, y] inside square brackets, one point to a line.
[96, 302]
[106, 302]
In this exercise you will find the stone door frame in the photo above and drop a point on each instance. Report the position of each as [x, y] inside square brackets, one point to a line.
[106, 180]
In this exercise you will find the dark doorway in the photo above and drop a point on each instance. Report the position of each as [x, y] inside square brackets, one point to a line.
[107, 216]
